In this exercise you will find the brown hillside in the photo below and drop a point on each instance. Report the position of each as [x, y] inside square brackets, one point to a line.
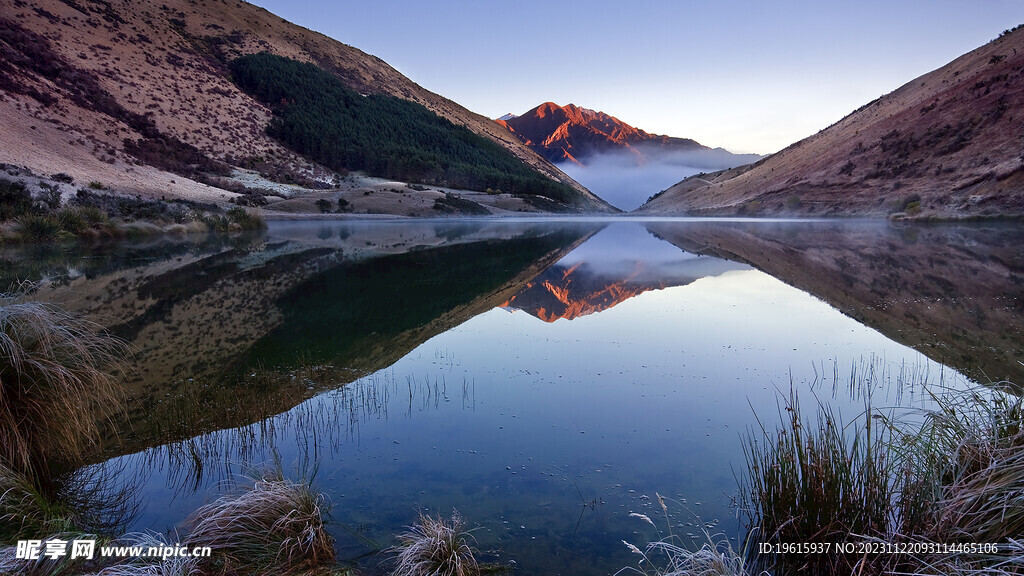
[947, 144]
[81, 76]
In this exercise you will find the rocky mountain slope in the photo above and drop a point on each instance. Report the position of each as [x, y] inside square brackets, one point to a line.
[137, 97]
[947, 144]
[574, 134]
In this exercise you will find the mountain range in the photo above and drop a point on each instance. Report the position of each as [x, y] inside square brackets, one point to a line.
[138, 97]
[620, 163]
[145, 98]
[944, 145]
[580, 136]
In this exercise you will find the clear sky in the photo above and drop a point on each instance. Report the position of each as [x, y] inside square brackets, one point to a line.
[749, 76]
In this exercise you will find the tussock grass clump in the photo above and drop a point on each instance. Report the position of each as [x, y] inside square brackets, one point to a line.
[25, 512]
[245, 219]
[71, 220]
[59, 377]
[434, 546]
[275, 526]
[235, 219]
[94, 499]
[972, 452]
[39, 227]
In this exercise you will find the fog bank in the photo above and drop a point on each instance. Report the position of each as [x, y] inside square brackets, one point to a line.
[627, 179]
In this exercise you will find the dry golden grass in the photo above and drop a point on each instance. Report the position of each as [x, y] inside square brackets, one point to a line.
[275, 526]
[434, 546]
[59, 378]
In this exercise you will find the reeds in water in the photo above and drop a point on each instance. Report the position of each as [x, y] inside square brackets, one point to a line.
[958, 477]
[820, 481]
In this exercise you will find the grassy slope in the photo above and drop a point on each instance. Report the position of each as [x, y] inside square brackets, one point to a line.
[948, 140]
[164, 61]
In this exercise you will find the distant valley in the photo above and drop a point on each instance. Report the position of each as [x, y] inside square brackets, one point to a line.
[618, 162]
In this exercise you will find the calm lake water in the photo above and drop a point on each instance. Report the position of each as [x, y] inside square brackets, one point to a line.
[544, 378]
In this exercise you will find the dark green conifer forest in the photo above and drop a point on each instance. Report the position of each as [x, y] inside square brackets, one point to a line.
[316, 115]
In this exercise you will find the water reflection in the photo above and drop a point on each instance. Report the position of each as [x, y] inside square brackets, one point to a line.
[954, 292]
[225, 332]
[386, 353]
[613, 266]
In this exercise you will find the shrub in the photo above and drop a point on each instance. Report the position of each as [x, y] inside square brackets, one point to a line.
[244, 219]
[62, 177]
[251, 199]
[135, 207]
[39, 227]
[95, 185]
[323, 205]
[15, 199]
[452, 204]
[50, 195]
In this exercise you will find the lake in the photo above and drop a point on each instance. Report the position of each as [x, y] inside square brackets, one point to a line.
[544, 377]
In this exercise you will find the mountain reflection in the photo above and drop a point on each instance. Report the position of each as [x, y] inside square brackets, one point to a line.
[618, 263]
[953, 292]
[231, 331]
[227, 334]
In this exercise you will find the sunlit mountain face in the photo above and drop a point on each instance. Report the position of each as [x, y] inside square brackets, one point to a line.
[574, 134]
[622, 164]
[610, 268]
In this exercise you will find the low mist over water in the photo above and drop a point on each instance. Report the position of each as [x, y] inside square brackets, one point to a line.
[627, 179]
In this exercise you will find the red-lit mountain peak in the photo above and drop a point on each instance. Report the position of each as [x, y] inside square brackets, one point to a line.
[572, 133]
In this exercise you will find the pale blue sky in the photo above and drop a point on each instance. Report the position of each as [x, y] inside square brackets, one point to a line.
[750, 76]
